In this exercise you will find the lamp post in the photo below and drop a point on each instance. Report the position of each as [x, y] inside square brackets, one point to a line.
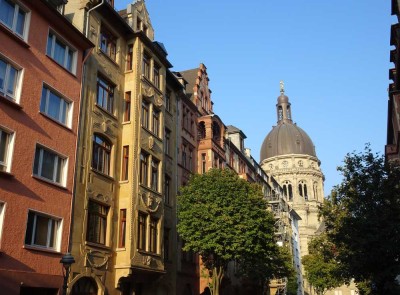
[66, 261]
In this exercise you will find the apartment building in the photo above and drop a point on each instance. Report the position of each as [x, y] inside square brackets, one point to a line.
[41, 64]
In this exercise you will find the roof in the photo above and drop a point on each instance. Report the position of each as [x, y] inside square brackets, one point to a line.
[284, 139]
[230, 129]
[190, 76]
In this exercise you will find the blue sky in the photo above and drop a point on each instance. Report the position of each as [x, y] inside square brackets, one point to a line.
[333, 57]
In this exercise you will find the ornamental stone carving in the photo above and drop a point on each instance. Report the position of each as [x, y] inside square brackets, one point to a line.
[151, 203]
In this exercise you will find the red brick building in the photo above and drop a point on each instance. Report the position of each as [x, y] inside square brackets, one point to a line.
[41, 61]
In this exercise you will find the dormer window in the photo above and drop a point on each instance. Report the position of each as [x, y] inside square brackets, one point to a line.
[138, 24]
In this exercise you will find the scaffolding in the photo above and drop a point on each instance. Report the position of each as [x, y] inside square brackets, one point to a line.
[280, 210]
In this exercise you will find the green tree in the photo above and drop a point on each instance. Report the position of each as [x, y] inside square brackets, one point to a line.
[224, 218]
[362, 218]
[322, 269]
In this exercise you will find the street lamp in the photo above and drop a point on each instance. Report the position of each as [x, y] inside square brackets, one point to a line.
[66, 261]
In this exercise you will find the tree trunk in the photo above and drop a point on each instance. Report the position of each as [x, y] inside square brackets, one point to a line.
[217, 276]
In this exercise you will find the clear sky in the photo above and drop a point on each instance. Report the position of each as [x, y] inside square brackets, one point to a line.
[333, 57]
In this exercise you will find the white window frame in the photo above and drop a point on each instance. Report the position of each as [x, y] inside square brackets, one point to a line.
[64, 168]
[57, 236]
[6, 166]
[69, 103]
[2, 213]
[68, 48]
[20, 73]
[27, 20]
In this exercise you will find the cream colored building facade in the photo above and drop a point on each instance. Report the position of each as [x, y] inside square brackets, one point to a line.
[121, 216]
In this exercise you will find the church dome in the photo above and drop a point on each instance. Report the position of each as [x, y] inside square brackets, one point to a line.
[286, 138]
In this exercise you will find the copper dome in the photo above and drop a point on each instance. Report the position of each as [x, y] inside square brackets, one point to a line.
[284, 139]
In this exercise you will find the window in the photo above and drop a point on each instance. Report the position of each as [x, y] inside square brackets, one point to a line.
[168, 100]
[190, 159]
[10, 77]
[55, 106]
[101, 154]
[138, 24]
[49, 165]
[129, 58]
[287, 190]
[184, 156]
[303, 189]
[156, 75]
[108, 43]
[14, 17]
[154, 174]
[146, 65]
[6, 144]
[166, 244]
[167, 188]
[143, 169]
[43, 231]
[156, 123]
[231, 159]
[203, 163]
[153, 235]
[97, 223]
[122, 228]
[125, 162]
[145, 115]
[61, 52]
[105, 95]
[142, 231]
[167, 141]
[127, 107]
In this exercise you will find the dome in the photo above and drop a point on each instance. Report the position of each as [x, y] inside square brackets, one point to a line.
[286, 138]
[283, 99]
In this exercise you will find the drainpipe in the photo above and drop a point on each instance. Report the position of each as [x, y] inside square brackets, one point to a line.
[87, 17]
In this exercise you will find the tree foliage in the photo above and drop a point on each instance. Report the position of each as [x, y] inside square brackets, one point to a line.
[322, 269]
[362, 218]
[224, 218]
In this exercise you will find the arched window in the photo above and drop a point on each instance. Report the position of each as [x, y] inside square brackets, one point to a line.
[216, 131]
[101, 154]
[201, 130]
[303, 189]
[287, 190]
